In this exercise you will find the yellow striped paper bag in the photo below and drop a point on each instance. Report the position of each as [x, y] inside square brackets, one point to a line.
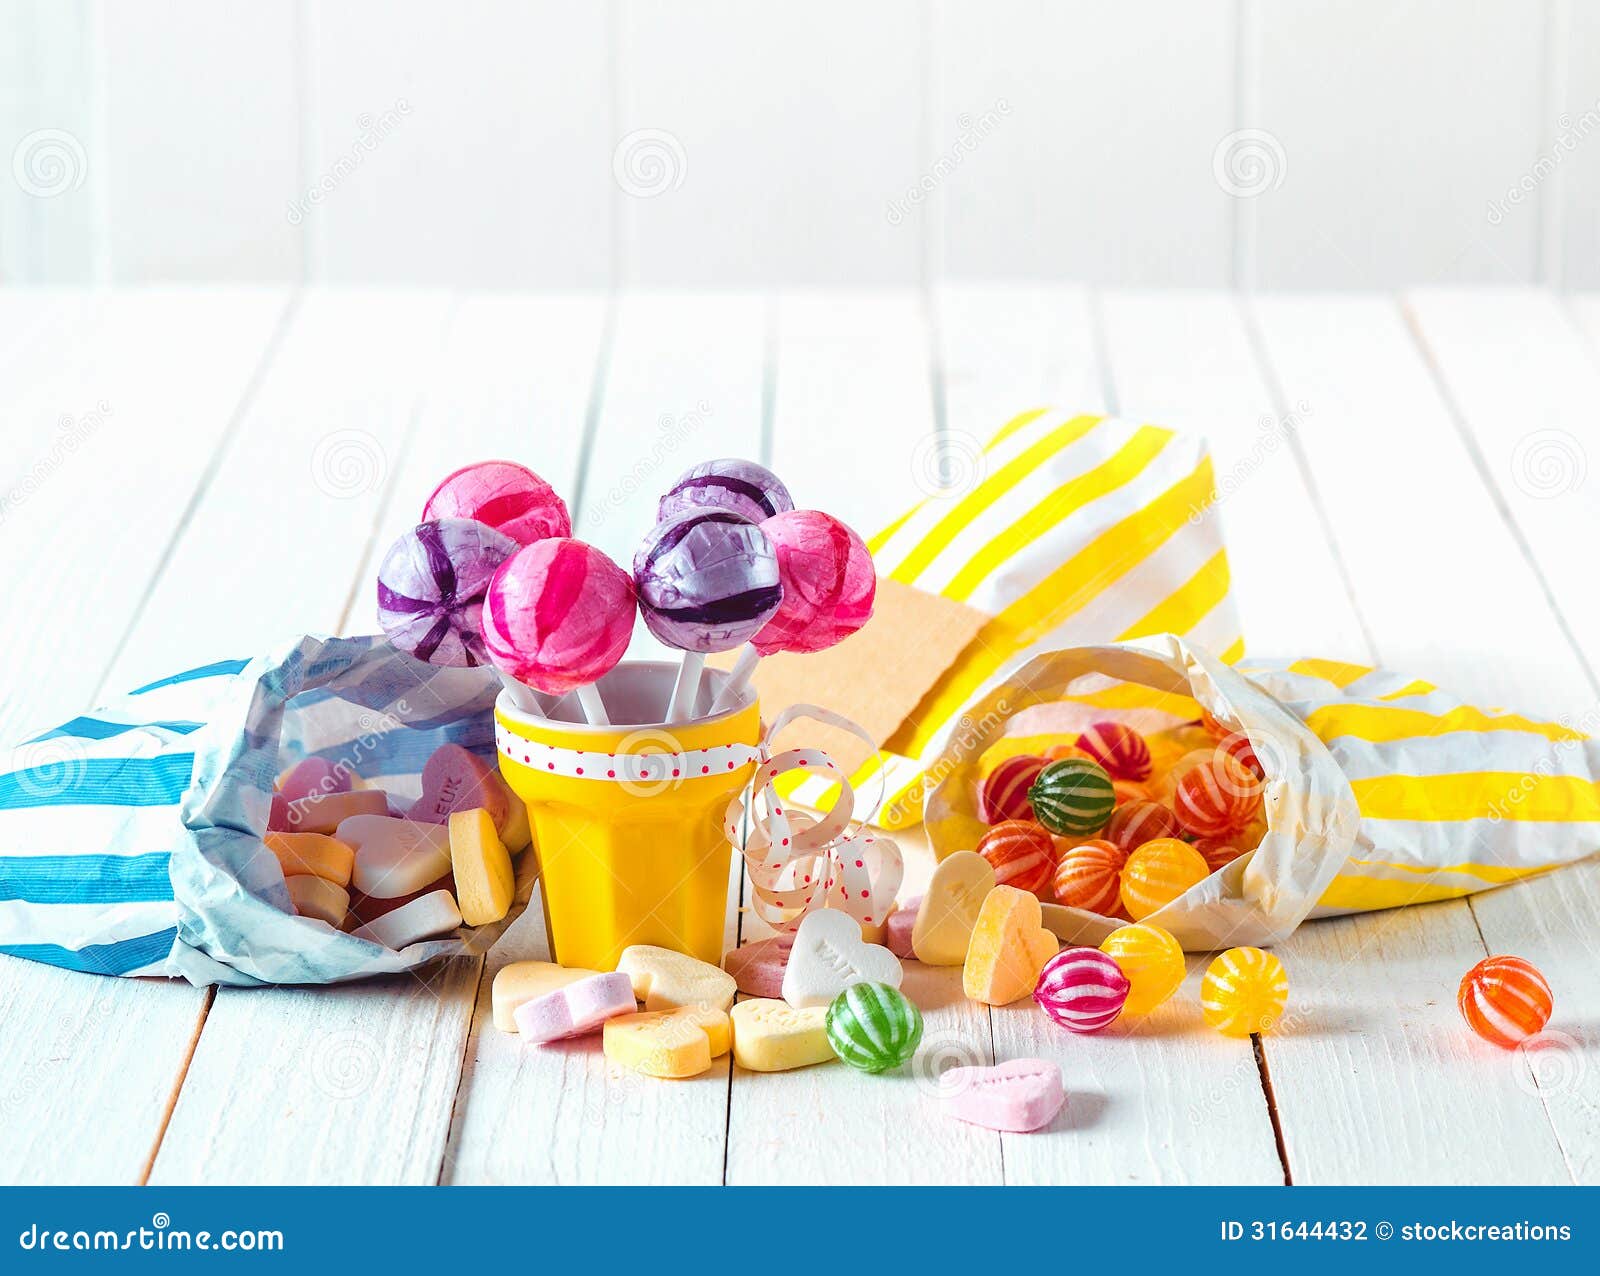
[1076, 529]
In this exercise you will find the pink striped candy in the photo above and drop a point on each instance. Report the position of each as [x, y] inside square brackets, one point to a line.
[1119, 749]
[1004, 793]
[1082, 989]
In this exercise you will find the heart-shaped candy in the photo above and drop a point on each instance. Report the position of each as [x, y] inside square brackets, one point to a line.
[955, 894]
[394, 857]
[772, 1036]
[577, 1008]
[1022, 1095]
[456, 779]
[897, 933]
[829, 955]
[521, 981]
[481, 865]
[758, 967]
[1009, 948]
[668, 1043]
[664, 979]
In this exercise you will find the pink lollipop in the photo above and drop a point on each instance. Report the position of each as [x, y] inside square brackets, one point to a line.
[828, 589]
[558, 616]
[509, 497]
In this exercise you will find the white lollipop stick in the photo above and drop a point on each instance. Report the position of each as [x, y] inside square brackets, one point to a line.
[521, 696]
[594, 708]
[687, 689]
[738, 679]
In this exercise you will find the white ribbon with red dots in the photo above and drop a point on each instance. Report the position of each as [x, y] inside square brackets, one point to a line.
[797, 864]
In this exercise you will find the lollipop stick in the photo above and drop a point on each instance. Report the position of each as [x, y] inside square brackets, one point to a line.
[738, 678]
[520, 695]
[594, 708]
[687, 690]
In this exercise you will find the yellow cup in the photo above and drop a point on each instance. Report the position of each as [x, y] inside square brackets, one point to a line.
[628, 819]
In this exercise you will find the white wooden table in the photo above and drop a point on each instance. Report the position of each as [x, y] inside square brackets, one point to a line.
[190, 474]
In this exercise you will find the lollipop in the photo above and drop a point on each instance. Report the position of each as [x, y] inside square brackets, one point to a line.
[509, 497]
[828, 589]
[558, 616]
[708, 581]
[431, 585]
[730, 484]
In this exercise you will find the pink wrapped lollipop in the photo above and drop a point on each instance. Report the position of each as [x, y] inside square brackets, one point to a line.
[509, 497]
[729, 484]
[431, 586]
[829, 585]
[558, 616]
[707, 581]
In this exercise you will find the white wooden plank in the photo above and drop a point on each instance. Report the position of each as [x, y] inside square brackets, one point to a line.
[1058, 147]
[202, 151]
[1349, 190]
[1415, 1095]
[765, 180]
[423, 154]
[1574, 182]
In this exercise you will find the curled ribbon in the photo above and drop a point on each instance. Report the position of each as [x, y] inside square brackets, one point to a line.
[797, 863]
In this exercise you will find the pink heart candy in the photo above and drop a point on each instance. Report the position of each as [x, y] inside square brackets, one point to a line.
[758, 967]
[456, 779]
[897, 931]
[1019, 1096]
[314, 777]
[580, 1007]
[278, 817]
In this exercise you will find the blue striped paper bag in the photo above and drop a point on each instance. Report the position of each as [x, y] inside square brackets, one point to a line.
[130, 838]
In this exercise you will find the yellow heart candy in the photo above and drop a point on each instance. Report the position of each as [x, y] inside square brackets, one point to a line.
[950, 907]
[772, 1036]
[481, 864]
[668, 1043]
[664, 979]
[1009, 948]
[522, 981]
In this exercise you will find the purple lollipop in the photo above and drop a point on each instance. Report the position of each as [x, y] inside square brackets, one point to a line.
[729, 484]
[431, 586]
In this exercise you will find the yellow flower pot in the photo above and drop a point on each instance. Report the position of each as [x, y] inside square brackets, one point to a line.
[628, 819]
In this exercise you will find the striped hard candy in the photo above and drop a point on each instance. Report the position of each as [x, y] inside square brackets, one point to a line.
[1003, 795]
[1244, 991]
[1157, 873]
[1118, 748]
[1082, 989]
[1126, 791]
[431, 588]
[1151, 959]
[1221, 851]
[1022, 853]
[1216, 797]
[708, 581]
[1164, 783]
[1135, 823]
[1505, 1000]
[873, 1027]
[1238, 747]
[728, 483]
[503, 495]
[1073, 797]
[828, 583]
[1089, 876]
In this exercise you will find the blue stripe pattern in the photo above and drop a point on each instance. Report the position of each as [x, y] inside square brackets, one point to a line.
[100, 959]
[215, 670]
[85, 879]
[100, 729]
[158, 781]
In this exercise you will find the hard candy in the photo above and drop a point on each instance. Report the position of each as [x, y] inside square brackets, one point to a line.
[1134, 824]
[431, 588]
[503, 495]
[730, 483]
[1217, 796]
[1118, 748]
[1151, 959]
[1244, 992]
[1082, 989]
[1157, 873]
[707, 581]
[1089, 876]
[1022, 854]
[1003, 795]
[873, 1027]
[1505, 1000]
[828, 583]
[1073, 797]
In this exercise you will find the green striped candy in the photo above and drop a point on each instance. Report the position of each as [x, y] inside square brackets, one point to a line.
[873, 1027]
[1072, 797]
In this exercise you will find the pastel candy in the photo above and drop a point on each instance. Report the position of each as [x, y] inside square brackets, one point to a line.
[828, 583]
[772, 1036]
[707, 581]
[664, 979]
[520, 982]
[668, 1043]
[312, 854]
[897, 932]
[317, 897]
[367, 908]
[431, 587]
[278, 814]
[728, 483]
[829, 955]
[481, 865]
[324, 812]
[758, 967]
[394, 857]
[1018, 1096]
[516, 831]
[503, 495]
[956, 891]
[426, 917]
[457, 779]
[1009, 948]
[873, 1027]
[314, 776]
[575, 1008]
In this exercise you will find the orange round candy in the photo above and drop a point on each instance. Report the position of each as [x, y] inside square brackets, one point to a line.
[1238, 747]
[1157, 873]
[1022, 853]
[1089, 876]
[1216, 797]
[1164, 786]
[1058, 751]
[1135, 823]
[1219, 852]
[1118, 748]
[1129, 791]
[1505, 1000]
[1217, 730]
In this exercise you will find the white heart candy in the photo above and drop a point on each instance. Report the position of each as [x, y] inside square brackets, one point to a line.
[395, 857]
[829, 955]
[665, 980]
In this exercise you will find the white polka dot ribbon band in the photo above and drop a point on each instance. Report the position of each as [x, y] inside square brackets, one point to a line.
[796, 863]
[650, 760]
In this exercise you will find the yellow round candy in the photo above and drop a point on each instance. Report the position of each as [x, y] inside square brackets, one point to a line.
[1244, 991]
[1157, 873]
[1153, 962]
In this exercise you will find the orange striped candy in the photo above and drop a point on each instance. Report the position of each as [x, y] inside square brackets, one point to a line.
[1244, 991]
[1238, 747]
[1022, 853]
[1089, 876]
[1135, 823]
[1219, 852]
[1505, 1000]
[1216, 729]
[1157, 873]
[1129, 791]
[1216, 797]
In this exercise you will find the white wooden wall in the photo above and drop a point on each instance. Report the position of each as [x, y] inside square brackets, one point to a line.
[547, 143]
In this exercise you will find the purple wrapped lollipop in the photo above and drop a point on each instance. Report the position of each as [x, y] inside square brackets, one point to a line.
[729, 484]
[431, 585]
[707, 581]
